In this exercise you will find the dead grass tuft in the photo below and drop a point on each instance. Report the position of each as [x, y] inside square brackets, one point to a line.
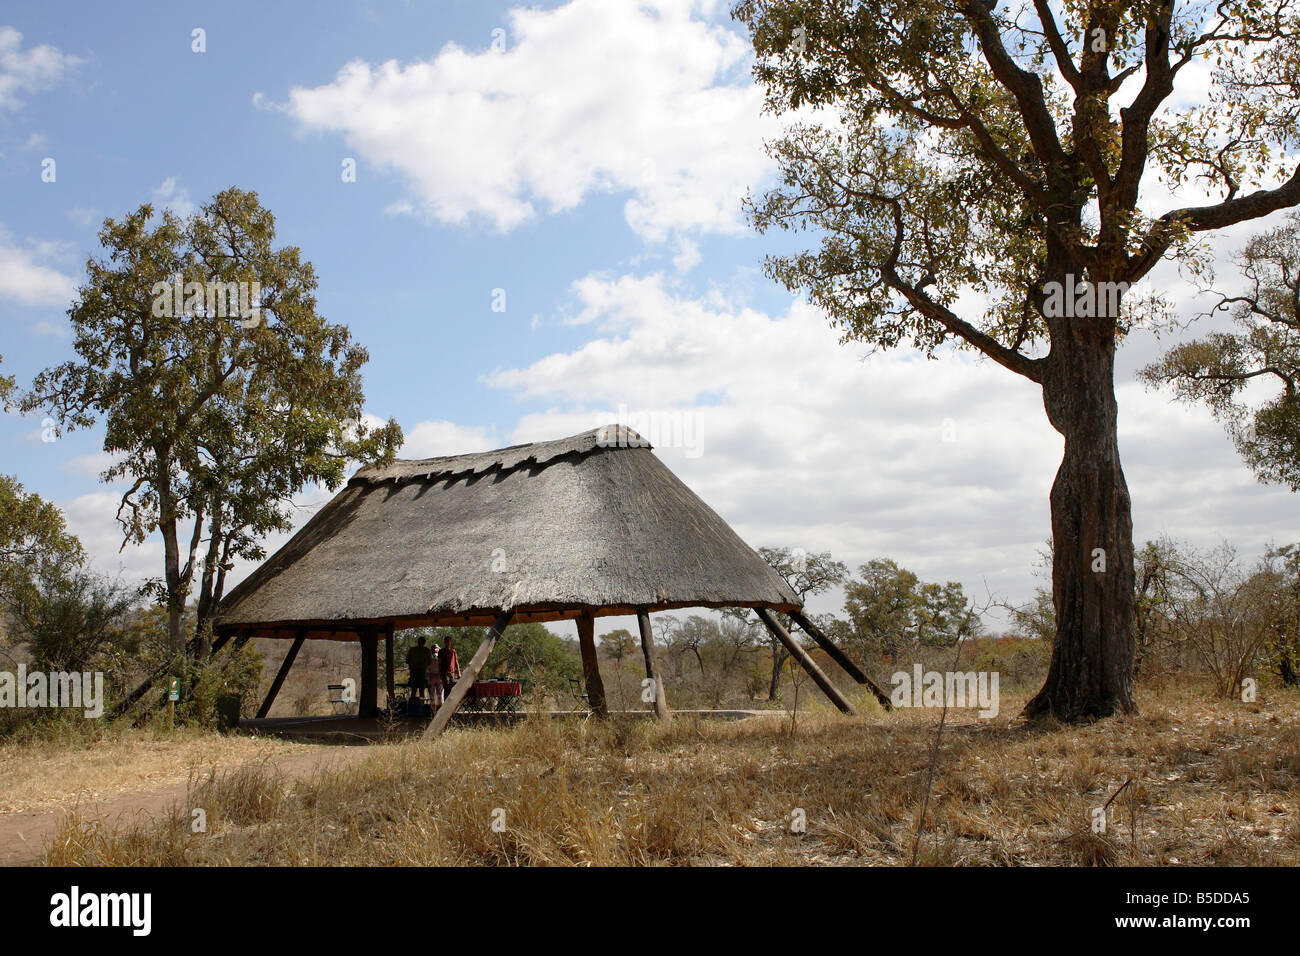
[1213, 783]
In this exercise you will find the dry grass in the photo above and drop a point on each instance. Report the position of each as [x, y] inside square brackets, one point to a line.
[1215, 783]
[111, 759]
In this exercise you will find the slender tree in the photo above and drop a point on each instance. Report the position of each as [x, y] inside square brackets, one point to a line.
[222, 390]
[807, 574]
[997, 153]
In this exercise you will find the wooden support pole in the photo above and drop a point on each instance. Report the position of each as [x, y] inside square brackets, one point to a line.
[591, 664]
[389, 679]
[368, 700]
[852, 669]
[467, 677]
[219, 642]
[281, 675]
[651, 671]
[806, 662]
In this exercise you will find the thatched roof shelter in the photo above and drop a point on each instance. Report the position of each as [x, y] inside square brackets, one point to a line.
[548, 530]
[577, 528]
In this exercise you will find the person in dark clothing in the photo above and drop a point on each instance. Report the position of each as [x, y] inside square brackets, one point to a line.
[418, 659]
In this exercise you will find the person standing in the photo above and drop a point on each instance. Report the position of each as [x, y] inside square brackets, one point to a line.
[449, 664]
[417, 662]
[434, 674]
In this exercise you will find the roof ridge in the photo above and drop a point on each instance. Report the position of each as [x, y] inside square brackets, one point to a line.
[607, 437]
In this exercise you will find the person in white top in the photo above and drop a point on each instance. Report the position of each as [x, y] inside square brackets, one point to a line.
[435, 681]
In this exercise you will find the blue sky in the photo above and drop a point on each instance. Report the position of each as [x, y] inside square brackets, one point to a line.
[591, 166]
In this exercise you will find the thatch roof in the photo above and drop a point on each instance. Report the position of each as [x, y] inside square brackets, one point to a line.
[594, 524]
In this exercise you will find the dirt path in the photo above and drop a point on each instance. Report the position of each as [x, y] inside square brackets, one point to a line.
[25, 834]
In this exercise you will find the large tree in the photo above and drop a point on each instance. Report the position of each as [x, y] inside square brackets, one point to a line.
[216, 409]
[881, 605]
[890, 608]
[998, 154]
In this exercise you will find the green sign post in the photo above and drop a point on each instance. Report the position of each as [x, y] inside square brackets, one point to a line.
[173, 695]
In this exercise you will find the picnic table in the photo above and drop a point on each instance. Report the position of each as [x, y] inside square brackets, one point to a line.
[498, 694]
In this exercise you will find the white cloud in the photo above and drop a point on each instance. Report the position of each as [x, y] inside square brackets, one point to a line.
[170, 194]
[800, 441]
[92, 518]
[433, 439]
[92, 465]
[53, 330]
[28, 71]
[688, 255]
[25, 276]
[646, 98]
[83, 215]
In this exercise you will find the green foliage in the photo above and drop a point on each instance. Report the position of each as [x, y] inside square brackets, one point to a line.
[529, 652]
[961, 165]
[1215, 371]
[880, 604]
[228, 673]
[618, 644]
[67, 617]
[537, 655]
[890, 608]
[911, 109]
[213, 416]
[6, 388]
[1278, 580]
[145, 640]
[807, 574]
[942, 615]
[32, 532]
[1037, 619]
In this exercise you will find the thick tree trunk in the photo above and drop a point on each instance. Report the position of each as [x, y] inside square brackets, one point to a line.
[1091, 673]
[175, 596]
[176, 577]
[591, 665]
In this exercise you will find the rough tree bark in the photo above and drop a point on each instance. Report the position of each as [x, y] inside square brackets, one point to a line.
[1091, 672]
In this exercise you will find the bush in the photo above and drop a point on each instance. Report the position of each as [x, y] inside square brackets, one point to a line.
[226, 673]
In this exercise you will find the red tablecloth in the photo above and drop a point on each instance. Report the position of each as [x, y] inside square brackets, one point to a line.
[496, 688]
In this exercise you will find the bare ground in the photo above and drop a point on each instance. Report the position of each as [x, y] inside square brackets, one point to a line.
[128, 797]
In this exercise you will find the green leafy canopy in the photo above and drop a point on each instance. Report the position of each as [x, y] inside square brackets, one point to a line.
[978, 151]
[210, 417]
